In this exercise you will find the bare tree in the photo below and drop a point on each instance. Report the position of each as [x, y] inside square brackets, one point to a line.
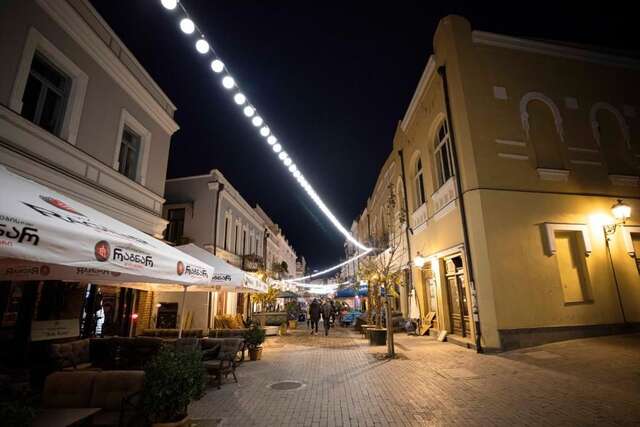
[382, 270]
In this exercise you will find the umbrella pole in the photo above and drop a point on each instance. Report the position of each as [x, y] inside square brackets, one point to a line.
[184, 298]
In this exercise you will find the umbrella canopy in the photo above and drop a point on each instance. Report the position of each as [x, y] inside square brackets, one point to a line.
[225, 274]
[287, 294]
[45, 235]
[350, 292]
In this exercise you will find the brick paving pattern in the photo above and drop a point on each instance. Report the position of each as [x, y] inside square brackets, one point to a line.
[582, 382]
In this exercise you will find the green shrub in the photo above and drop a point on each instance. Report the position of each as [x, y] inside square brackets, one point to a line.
[16, 413]
[172, 380]
[255, 336]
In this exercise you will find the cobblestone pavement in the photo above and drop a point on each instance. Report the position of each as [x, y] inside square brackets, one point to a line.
[592, 381]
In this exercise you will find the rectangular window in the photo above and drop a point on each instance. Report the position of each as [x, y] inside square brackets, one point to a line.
[244, 242]
[235, 245]
[572, 266]
[175, 228]
[226, 232]
[129, 153]
[46, 94]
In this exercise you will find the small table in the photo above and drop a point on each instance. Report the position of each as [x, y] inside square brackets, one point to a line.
[64, 417]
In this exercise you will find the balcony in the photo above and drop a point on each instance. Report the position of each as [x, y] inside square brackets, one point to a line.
[419, 217]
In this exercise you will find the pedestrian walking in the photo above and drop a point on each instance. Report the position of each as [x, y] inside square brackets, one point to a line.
[314, 315]
[327, 312]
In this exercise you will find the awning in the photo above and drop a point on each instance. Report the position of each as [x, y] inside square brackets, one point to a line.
[47, 236]
[225, 274]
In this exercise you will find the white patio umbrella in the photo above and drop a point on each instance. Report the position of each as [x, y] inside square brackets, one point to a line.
[45, 235]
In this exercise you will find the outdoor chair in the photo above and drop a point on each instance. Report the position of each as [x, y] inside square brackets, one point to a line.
[220, 357]
[72, 355]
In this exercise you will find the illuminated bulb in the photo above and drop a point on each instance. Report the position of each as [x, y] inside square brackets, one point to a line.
[249, 111]
[293, 168]
[217, 66]
[169, 4]
[202, 46]
[187, 26]
[239, 98]
[296, 174]
[264, 131]
[272, 140]
[283, 155]
[257, 121]
[277, 148]
[228, 82]
[621, 211]
[287, 161]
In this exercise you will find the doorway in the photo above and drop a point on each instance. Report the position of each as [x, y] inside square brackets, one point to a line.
[459, 318]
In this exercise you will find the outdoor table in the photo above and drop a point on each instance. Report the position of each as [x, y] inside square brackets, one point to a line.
[64, 417]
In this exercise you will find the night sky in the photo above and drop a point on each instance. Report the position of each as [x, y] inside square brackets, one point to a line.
[332, 79]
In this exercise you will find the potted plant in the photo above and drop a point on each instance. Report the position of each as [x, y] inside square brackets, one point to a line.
[292, 314]
[173, 379]
[254, 337]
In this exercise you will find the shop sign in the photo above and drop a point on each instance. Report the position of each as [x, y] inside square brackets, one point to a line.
[42, 330]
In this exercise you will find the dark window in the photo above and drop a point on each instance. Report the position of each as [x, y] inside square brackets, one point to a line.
[418, 182]
[443, 155]
[244, 242]
[129, 154]
[226, 231]
[235, 245]
[175, 229]
[45, 95]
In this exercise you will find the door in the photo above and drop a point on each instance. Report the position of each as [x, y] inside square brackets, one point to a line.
[457, 297]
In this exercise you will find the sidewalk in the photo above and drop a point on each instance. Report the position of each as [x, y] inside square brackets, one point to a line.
[583, 382]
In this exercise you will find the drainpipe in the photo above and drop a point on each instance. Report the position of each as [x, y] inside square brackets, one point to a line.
[465, 227]
[406, 228]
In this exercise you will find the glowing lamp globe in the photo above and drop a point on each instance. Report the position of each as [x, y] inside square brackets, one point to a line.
[419, 261]
[277, 148]
[202, 46]
[187, 26]
[169, 4]
[217, 66]
[287, 161]
[272, 140]
[621, 211]
[257, 121]
[239, 98]
[249, 111]
[283, 155]
[264, 131]
[293, 168]
[296, 174]
[228, 82]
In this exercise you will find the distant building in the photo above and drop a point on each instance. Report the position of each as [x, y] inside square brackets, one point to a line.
[279, 250]
[301, 267]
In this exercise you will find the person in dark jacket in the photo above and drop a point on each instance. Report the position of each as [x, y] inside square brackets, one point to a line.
[314, 315]
[327, 312]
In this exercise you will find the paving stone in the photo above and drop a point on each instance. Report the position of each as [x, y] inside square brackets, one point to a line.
[593, 381]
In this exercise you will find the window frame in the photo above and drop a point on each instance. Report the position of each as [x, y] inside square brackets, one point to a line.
[418, 184]
[36, 42]
[169, 226]
[442, 146]
[129, 121]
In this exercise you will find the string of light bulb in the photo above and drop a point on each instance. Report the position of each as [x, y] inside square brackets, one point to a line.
[202, 45]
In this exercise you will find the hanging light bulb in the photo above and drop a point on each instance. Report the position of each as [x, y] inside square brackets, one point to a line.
[239, 98]
[187, 26]
[283, 155]
[169, 4]
[249, 111]
[287, 161]
[296, 174]
[272, 140]
[217, 66]
[277, 148]
[228, 82]
[264, 131]
[257, 121]
[293, 169]
[202, 46]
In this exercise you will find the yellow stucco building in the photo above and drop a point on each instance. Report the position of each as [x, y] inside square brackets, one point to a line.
[513, 152]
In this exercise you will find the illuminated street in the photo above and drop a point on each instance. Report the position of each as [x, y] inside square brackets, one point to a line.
[582, 382]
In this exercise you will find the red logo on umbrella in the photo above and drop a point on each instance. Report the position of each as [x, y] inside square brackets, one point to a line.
[102, 251]
[60, 205]
[180, 268]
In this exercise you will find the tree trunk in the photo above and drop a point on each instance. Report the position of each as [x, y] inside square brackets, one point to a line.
[391, 351]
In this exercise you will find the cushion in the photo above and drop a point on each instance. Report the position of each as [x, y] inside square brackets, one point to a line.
[69, 389]
[110, 387]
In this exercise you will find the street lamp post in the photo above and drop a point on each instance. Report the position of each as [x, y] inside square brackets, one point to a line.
[621, 213]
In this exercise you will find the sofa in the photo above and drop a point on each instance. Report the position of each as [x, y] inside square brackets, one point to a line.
[71, 355]
[114, 392]
[173, 333]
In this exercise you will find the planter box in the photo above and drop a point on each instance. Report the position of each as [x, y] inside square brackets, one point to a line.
[270, 319]
[377, 336]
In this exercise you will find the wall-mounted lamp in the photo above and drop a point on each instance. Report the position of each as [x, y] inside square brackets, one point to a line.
[621, 213]
[419, 261]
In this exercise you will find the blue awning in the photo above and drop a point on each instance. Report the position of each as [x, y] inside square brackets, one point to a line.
[350, 292]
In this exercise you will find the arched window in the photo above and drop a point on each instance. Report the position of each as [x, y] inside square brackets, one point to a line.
[611, 133]
[418, 183]
[443, 155]
[544, 136]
